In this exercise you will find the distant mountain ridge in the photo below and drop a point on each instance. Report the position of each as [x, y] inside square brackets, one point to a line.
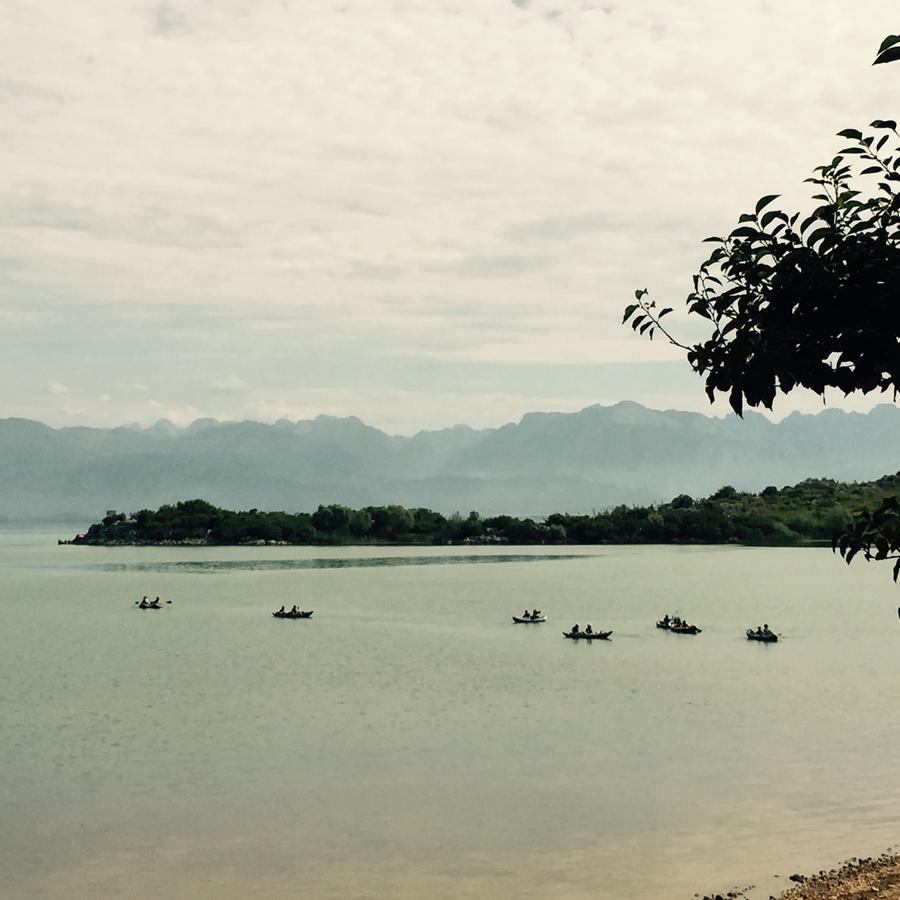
[546, 462]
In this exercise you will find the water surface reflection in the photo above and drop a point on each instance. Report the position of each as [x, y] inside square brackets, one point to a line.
[213, 566]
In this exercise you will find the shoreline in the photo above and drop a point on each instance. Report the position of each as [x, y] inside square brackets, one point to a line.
[858, 878]
[855, 879]
[201, 542]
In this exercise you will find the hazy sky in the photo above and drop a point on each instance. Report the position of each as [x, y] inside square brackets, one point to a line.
[420, 213]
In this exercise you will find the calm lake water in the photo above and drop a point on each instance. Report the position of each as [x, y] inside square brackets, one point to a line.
[409, 741]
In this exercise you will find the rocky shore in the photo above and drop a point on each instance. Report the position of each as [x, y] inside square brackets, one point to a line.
[863, 878]
[856, 879]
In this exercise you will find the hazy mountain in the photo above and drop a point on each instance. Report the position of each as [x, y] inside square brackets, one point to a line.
[547, 462]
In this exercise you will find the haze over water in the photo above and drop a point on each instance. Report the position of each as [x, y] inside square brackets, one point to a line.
[409, 741]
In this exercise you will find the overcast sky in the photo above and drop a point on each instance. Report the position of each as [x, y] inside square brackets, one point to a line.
[420, 212]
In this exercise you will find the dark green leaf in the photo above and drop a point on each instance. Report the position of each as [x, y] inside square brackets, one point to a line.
[763, 202]
[819, 235]
[889, 41]
[890, 55]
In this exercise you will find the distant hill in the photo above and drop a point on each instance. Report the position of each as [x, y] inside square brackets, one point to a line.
[547, 462]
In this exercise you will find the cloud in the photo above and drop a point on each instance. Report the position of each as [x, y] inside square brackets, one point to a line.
[169, 22]
[57, 389]
[231, 384]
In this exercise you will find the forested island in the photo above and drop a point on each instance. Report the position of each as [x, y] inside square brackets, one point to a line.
[812, 511]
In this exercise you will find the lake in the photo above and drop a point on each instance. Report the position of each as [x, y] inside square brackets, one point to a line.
[410, 741]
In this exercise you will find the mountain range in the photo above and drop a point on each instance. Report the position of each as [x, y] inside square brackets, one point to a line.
[547, 462]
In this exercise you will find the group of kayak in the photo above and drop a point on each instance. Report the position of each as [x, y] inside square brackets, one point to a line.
[575, 634]
[293, 613]
[675, 624]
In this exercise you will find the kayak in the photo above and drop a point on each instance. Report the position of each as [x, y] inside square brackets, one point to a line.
[300, 614]
[666, 626]
[520, 621]
[768, 637]
[148, 606]
[593, 636]
[685, 629]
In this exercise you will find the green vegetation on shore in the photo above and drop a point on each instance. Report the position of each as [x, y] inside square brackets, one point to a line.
[812, 511]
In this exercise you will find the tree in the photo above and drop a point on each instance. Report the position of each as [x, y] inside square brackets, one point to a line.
[808, 303]
[391, 522]
[875, 535]
[360, 522]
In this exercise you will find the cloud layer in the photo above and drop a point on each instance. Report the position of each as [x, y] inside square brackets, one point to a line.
[388, 186]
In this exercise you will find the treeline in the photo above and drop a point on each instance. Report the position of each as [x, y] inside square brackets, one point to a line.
[811, 511]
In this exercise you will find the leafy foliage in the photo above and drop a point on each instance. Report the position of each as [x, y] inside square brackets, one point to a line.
[808, 302]
[875, 535]
[804, 303]
[888, 51]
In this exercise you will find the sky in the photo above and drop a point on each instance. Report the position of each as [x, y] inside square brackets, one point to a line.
[418, 213]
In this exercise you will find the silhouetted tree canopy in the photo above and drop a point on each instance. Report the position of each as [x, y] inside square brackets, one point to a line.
[808, 301]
